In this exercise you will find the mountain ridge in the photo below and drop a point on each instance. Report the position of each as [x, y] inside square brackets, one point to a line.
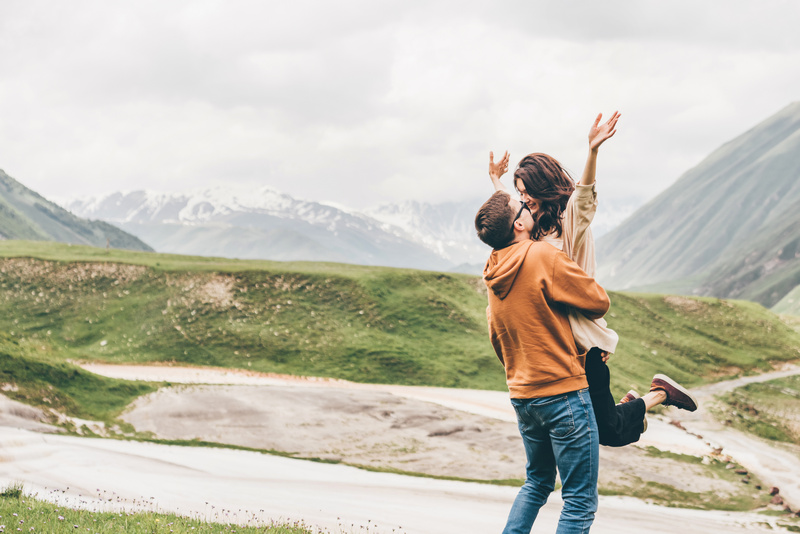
[429, 236]
[25, 214]
[261, 224]
[715, 214]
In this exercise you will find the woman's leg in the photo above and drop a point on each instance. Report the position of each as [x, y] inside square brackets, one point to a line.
[618, 425]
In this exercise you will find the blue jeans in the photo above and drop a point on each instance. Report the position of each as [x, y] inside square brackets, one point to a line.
[558, 432]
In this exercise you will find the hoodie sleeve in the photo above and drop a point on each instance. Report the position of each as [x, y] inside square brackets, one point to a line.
[493, 337]
[573, 287]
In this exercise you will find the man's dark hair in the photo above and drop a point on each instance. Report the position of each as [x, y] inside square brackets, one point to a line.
[545, 180]
[494, 221]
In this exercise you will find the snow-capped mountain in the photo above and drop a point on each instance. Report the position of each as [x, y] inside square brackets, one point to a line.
[264, 223]
[200, 206]
[267, 224]
[447, 228]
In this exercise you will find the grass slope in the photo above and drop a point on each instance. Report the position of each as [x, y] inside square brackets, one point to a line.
[769, 409]
[24, 214]
[34, 374]
[30, 513]
[367, 324]
[694, 339]
[790, 304]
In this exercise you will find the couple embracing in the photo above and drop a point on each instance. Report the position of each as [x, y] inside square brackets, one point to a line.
[545, 323]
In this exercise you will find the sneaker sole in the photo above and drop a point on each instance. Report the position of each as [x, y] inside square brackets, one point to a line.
[629, 396]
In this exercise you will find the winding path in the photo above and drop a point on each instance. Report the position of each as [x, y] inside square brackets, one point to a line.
[774, 463]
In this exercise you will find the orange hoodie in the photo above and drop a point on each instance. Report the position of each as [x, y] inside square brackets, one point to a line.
[532, 284]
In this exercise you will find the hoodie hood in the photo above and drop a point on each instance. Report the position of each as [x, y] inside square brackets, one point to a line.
[502, 267]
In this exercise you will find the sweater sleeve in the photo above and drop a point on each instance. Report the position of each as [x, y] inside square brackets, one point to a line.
[571, 286]
[581, 208]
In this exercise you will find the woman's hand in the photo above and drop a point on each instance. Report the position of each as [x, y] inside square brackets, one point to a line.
[599, 133]
[496, 170]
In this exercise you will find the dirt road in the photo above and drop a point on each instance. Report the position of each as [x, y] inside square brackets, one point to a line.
[231, 485]
[775, 464]
[458, 422]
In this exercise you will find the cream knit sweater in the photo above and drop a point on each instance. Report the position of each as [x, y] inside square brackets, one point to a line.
[577, 242]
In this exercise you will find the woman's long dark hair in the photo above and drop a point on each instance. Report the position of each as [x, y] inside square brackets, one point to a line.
[548, 182]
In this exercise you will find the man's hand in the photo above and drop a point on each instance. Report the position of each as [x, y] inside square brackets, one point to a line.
[496, 170]
[599, 133]
[605, 355]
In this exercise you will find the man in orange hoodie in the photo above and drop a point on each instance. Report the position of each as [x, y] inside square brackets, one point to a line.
[532, 284]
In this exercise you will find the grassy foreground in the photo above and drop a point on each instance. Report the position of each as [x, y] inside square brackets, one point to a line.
[20, 512]
[366, 324]
[34, 374]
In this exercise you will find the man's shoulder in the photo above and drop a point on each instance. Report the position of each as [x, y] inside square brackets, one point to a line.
[541, 258]
[534, 253]
[543, 249]
[543, 255]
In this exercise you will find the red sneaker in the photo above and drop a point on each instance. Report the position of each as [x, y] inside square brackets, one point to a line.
[677, 395]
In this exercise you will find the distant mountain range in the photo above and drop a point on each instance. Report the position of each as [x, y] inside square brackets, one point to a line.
[729, 227]
[266, 224]
[24, 214]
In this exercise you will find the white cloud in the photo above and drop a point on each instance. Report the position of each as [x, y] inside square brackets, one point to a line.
[369, 102]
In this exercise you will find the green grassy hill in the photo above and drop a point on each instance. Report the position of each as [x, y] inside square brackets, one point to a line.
[34, 373]
[790, 304]
[366, 324]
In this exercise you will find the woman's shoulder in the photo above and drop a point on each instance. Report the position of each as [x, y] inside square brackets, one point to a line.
[554, 240]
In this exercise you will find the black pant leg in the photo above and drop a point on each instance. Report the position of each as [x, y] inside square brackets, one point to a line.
[617, 425]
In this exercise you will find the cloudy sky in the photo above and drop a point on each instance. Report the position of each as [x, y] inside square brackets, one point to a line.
[362, 102]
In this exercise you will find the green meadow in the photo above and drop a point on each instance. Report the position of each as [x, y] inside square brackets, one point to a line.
[29, 513]
[63, 303]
